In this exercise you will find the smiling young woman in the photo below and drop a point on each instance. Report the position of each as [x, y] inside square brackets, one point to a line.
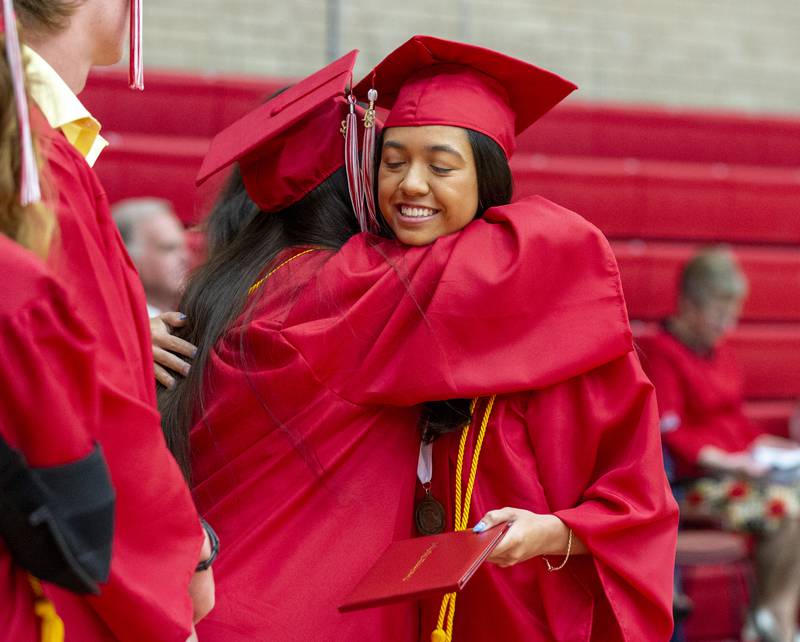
[569, 451]
[427, 182]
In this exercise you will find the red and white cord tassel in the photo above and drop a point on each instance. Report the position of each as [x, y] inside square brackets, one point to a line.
[136, 63]
[352, 167]
[368, 160]
[29, 188]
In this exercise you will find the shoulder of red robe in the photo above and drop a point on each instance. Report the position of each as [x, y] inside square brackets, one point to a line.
[579, 277]
[550, 218]
[578, 242]
[28, 278]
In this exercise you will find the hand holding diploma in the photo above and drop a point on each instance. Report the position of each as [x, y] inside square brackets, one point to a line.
[530, 535]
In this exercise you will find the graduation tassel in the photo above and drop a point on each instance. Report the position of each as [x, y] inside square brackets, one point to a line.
[52, 629]
[135, 61]
[368, 160]
[29, 189]
[354, 180]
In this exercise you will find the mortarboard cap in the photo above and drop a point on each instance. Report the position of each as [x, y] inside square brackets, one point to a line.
[431, 81]
[290, 144]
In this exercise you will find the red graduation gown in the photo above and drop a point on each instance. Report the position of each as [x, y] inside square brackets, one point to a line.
[529, 306]
[587, 450]
[50, 396]
[320, 422]
[157, 534]
[700, 399]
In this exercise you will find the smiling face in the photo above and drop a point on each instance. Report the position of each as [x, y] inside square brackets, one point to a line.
[427, 182]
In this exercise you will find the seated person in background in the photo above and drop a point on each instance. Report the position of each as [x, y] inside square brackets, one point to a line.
[733, 469]
[156, 241]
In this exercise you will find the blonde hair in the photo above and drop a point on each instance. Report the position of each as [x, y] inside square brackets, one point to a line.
[46, 16]
[32, 226]
[711, 274]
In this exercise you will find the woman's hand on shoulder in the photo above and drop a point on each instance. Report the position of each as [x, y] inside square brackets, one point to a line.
[168, 350]
[530, 535]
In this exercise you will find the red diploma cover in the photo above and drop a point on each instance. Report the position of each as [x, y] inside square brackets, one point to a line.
[415, 568]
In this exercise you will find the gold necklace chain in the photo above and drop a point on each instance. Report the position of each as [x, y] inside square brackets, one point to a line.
[260, 282]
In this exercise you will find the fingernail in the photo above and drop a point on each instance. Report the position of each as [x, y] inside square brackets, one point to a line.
[171, 384]
[194, 353]
[185, 370]
[479, 527]
[182, 316]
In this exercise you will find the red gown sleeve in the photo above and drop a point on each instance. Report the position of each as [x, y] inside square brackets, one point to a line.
[474, 312]
[50, 390]
[605, 479]
[50, 397]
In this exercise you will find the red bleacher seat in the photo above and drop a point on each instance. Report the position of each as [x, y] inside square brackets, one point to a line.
[173, 104]
[771, 416]
[720, 594]
[160, 166]
[575, 128]
[770, 357]
[650, 273]
[675, 201]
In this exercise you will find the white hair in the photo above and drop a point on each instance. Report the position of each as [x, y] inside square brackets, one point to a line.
[129, 213]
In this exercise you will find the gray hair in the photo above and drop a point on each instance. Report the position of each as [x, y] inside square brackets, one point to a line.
[129, 213]
[711, 274]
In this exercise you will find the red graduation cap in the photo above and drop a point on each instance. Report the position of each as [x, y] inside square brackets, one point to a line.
[431, 81]
[290, 144]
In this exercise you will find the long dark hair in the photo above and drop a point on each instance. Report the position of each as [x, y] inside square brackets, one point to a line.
[217, 293]
[232, 212]
[495, 187]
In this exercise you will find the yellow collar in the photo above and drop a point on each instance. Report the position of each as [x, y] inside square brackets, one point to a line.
[62, 108]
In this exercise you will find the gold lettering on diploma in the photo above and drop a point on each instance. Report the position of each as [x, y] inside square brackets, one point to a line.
[420, 561]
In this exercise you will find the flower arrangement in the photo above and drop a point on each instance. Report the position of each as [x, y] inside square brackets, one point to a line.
[742, 505]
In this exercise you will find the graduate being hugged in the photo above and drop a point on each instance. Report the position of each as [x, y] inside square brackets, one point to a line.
[563, 441]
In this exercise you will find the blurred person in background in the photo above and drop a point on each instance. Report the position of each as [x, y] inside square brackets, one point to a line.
[725, 467]
[154, 591]
[156, 241]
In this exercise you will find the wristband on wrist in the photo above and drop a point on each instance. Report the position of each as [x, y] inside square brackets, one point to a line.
[214, 540]
[552, 568]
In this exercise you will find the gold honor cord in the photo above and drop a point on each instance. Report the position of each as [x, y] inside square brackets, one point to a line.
[52, 625]
[448, 608]
[260, 282]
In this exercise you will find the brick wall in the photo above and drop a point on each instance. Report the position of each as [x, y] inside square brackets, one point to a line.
[718, 53]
